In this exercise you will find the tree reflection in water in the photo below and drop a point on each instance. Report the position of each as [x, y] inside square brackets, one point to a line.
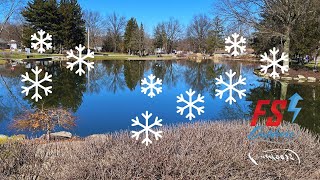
[117, 77]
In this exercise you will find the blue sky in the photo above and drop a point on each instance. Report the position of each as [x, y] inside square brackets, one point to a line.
[150, 12]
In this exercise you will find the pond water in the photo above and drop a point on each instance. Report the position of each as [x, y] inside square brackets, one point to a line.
[106, 99]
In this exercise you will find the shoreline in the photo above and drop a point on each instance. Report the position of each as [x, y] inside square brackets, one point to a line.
[198, 150]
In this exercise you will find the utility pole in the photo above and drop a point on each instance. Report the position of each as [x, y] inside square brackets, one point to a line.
[88, 32]
[88, 76]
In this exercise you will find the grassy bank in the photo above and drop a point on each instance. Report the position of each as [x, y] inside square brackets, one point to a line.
[98, 56]
[214, 150]
[106, 58]
[311, 65]
[119, 56]
[2, 62]
[19, 56]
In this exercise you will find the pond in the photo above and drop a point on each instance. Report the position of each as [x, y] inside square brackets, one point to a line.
[108, 97]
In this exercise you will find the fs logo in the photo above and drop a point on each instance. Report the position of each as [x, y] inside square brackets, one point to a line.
[283, 104]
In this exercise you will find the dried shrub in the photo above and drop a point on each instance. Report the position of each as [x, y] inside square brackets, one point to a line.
[211, 150]
[44, 120]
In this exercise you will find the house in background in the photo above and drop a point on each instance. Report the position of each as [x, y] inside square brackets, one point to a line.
[159, 51]
[13, 45]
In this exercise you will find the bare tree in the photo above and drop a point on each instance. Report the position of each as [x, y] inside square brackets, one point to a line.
[44, 120]
[148, 41]
[167, 34]
[286, 14]
[198, 32]
[116, 25]
[8, 7]
[173, 31]
[94, 23]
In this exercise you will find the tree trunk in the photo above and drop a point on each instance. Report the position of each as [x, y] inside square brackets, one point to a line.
[48, 135]
[286, 47]
[284, 90]
[115, 46]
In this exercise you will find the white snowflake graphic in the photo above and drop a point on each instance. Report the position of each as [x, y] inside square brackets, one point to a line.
[231, 87]
[80, 60]
[151, 85]
[146, 128]
[274, 63]
[235, 44]
[190, 104]
[41, 42]
[36, 84]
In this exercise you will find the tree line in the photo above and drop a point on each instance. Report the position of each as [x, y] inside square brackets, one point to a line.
[293, 26]
[68, 24]
[203, 35]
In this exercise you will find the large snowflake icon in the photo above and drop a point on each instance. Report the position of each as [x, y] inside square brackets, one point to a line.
[146, 128]
[235, 44]
[36, 84]
[80, 60]
[41, 42]
[150, 86]
[274, 63]
[231, 87]
[190, 104]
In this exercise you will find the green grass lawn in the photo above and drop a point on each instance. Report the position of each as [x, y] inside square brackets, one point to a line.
[113, 54]
[123, 57]
[98, 57]
[24, 56]
[2, 62]
[113, 57]
[311, 64]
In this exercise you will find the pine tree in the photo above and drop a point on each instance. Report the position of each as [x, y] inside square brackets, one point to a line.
[42, 14]
[141, 40]
[64, 21]
[215, 36]
[107, 43]
[73, 31]
[160, 36]
[130, 39]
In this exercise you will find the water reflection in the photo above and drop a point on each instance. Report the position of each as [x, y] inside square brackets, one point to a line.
[309, 116]
[106, 98]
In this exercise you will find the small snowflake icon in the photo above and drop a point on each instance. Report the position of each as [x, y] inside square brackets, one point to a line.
[190, 104]
[36, 84]
[231, 87]
[235, 44]
[80, 60]
[274, 63]
[146, 128]
[41, 41]
[150, 86]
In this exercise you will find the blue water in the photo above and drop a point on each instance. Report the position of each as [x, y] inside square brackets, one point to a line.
[106, 99]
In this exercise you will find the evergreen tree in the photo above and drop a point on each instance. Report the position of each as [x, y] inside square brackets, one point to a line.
[215, 36]
[108, 45]
[42, 14]
[133, 72]
[130, 36]
[141, 43]
[160, 36]
[64, 21]
[73, 32]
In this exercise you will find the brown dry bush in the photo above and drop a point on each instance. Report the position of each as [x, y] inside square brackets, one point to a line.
[44, 120]
[204, 150]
